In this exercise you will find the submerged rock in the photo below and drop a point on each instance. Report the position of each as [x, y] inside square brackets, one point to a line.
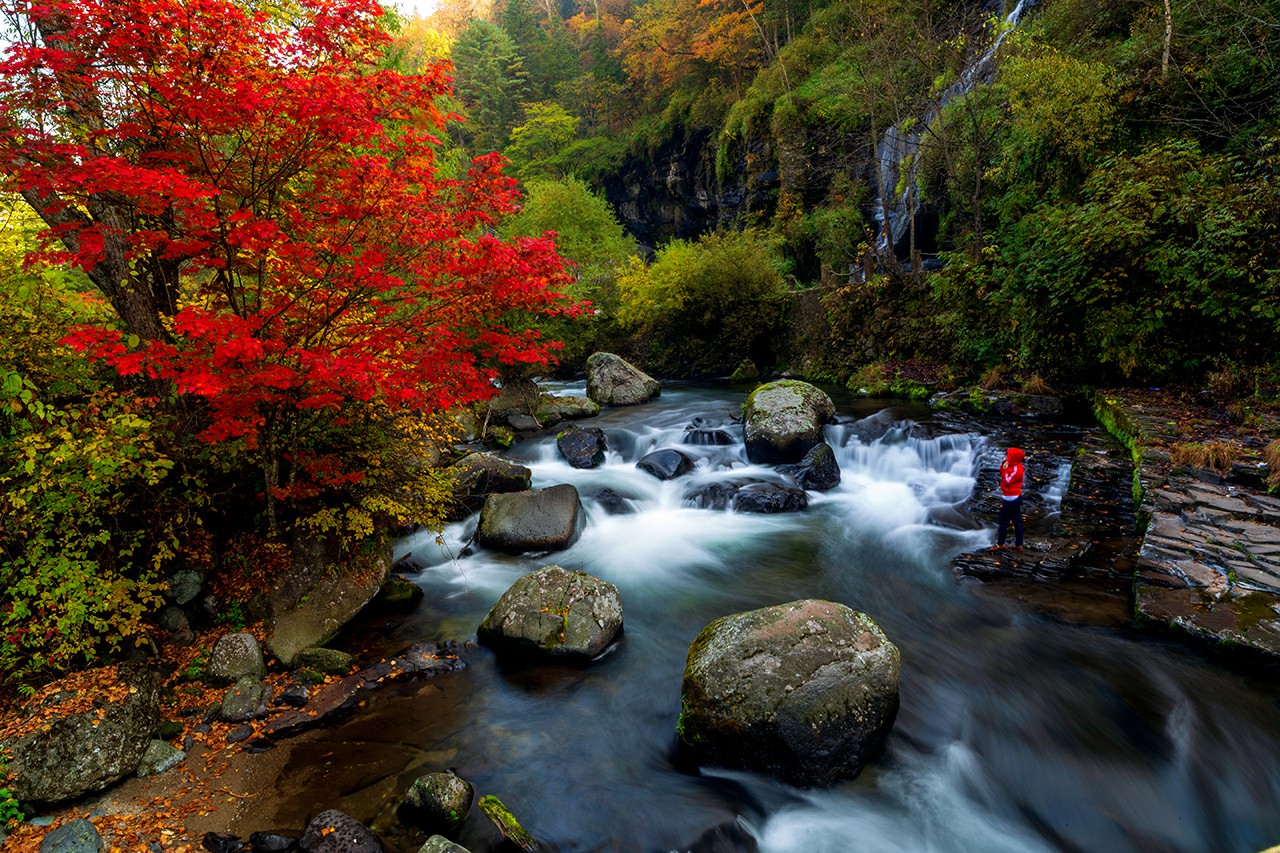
[806, 691]
[665, 464]
[711, 496]
[769, 498]
[783, 420]
[614, 381]
[550, 519]
[555, 613]
[611, 502]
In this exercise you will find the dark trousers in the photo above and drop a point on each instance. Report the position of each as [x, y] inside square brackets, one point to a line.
[1010, 511]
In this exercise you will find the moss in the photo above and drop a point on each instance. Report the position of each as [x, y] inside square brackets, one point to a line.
[506, 823]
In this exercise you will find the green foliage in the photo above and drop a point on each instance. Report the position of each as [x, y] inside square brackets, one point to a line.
[546, 131]
[11, 813]
[704, 306]
[490, 81]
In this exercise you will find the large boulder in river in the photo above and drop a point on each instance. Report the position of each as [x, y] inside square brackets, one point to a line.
[334, 832]
[582, 447]
[478, 475]
[805, 691]
[783, 420]
[614, 381]
[665, 464]
[549, 519]
[555, 613]
[322, 590]
[817, 471]
[82, 743]
[552, 409]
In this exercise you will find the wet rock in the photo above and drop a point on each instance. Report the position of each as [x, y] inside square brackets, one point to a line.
[979, 401]
[728, 837]
[706, 437]
[552, 409]
[554, 613]
[582, 447]
[244, 700]
[235, 656]
[783, 421]
[399, 595]
[806, 691]
[613, 381]
[78, 836]
[523, 423]
[550, 519]
[440, 844]
[478, 475]
[611, 502]
[294, 696]
[437, 801]
[273, 842]
[711, 496]
[221, 842]
[334, 832]
[665, 464]
[312, 601]
[158, 758]
[818, 471]
[1039, 558]
[769, 498]
[328, 661]
[74, 754]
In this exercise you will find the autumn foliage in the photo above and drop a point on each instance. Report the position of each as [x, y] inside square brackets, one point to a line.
[263, 209]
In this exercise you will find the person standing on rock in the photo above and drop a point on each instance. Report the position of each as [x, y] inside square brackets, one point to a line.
[1012, 473]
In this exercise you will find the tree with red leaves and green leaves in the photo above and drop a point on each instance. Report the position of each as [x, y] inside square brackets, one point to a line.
[263, 209]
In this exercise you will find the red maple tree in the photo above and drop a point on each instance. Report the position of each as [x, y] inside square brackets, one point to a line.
[263, 207]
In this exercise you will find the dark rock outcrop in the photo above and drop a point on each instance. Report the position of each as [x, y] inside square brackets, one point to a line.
[614, 381]
[665, 464]
[806, 691]
[582, 447]
[783, 421]
[555, 613]
[818, 471]
[549, 519]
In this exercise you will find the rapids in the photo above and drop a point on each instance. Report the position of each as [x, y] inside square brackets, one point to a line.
[1016, 732]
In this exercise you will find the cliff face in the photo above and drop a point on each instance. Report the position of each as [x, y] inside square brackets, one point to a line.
[674, 192]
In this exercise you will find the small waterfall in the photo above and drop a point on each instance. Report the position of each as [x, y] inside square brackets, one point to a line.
[901, 143]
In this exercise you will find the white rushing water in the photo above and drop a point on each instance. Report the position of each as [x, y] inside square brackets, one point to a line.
[1015, 733]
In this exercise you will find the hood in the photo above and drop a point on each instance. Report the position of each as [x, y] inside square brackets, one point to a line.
[1014, 455]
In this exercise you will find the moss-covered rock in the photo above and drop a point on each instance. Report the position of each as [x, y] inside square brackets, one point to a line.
[783, 420]
[437, 801]
[555, 613]
[806, 691]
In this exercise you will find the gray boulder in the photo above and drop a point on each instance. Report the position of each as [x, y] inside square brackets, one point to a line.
[322, 591]
[555, 613]
[769, 498]
[69, 756]
[614, 381]
[582, 447]
[440, 844]
[78, 836]
[549, 519]
[783, 420]
[818, 471]
[245, 700]
[233, 657]
[437, 801]
[332, 831]
[159, 757]
[516, 397]
[478, 475]
[554, 409]
[328, 661]
[183, 586]
[806, 691]
[665, 464]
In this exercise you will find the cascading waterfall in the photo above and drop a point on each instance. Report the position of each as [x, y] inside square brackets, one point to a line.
[1016, 733]
[901, 144]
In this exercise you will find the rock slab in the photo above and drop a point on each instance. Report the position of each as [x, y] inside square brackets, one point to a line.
[555, 613]
[805, 691]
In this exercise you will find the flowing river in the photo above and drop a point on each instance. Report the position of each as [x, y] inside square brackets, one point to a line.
[1016, 732]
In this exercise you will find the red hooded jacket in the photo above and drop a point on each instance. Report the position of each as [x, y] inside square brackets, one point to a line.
[1011, 473]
